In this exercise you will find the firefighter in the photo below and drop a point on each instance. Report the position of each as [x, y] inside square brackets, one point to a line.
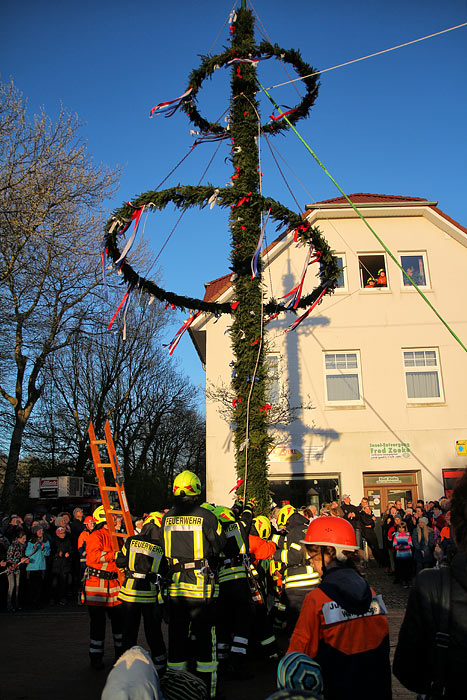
[262, 549]
[89, 523]
[101, 588]
[193, 540]
[234, 603]
[381, 280]
[342, 624]
[371, 282]
[298, 575]
[142, 558]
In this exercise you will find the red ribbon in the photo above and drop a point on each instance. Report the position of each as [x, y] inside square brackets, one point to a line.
[280, 116]
[239, 483]
[307, 313]
[235, 402]
[241, 201]
[267, 407]
[118, 309]
[302, 227]
[234, 305]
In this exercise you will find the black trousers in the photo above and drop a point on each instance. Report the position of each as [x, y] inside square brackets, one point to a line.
[152, 619]
[370, 535]
[195, 618]
[97, 624]
[233, 617]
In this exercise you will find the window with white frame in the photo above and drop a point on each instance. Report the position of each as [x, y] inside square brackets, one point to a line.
[272, 385]
[343, 379]
[416, 267]
[372, 270]
[342, 279]
[422, 375]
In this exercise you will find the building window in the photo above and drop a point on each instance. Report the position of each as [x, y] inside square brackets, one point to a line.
[415, 266]
[372, 270]
[273, 370]
[342, 279]
[422, 376]
[343, 378]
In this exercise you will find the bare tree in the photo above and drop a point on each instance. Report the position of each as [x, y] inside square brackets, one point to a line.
[51, 197]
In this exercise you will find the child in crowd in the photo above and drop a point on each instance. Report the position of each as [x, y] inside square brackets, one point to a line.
[402, 544]
[14, 558]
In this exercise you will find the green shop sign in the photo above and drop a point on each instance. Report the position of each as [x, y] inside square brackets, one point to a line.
[383, 450]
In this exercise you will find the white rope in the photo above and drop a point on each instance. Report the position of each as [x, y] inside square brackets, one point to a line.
[371, 55]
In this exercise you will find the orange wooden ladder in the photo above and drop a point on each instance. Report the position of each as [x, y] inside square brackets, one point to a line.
[117, 486]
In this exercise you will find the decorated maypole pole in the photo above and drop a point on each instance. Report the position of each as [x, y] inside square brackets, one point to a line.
[246, 221]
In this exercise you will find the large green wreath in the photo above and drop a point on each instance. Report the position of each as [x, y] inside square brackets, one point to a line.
[188, 196]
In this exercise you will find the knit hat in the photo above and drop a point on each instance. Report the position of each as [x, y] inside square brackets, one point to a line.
[296, 671]
[36, 528]
[423, 520]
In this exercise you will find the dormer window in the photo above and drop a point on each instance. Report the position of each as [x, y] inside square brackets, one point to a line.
[372, 269]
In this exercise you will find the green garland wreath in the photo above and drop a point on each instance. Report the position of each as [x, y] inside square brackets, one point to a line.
[187, 196]
[211, 63]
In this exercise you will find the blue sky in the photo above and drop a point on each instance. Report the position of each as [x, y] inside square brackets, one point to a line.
[393, 124]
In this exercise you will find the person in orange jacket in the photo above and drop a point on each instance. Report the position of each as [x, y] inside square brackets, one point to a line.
[381, 280]
[262, 549]
[101, 588]
[89, 522]
[343, 623]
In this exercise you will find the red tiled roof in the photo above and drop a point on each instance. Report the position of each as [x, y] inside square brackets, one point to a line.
[366, 197]
[220, 285]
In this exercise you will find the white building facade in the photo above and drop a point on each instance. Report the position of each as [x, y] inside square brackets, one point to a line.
[381, 380]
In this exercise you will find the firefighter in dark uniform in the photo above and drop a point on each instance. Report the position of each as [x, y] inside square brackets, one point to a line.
[142, 558]
[298, 575]
[234, 603]
[193, 540]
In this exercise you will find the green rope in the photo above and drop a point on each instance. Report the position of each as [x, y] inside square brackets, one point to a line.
[366, 222]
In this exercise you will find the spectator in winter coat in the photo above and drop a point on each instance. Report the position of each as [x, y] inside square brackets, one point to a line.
[37, 549]
[416, 660]
[61, 566]
[402, 544]
[423, 545]
[367, 527]
[438, 520]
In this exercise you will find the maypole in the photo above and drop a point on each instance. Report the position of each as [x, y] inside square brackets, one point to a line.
[249, 211]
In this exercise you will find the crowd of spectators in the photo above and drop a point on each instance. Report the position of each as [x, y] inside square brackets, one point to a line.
[40, 559]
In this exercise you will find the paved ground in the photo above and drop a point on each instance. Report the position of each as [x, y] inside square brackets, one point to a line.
[44, 654]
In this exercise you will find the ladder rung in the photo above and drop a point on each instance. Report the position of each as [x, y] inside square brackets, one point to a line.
[99, 442]
[110, 488]
[101, 464]
[116, 512]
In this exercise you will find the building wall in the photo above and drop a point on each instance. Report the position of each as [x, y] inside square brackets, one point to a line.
[378, 323]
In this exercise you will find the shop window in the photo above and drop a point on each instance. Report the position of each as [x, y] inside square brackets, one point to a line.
[372, 269]
[422, 376]
[415, 265]
[342, 378]
[342, 279]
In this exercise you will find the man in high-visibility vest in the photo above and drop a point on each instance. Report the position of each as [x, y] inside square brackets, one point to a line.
[101, 590]
[193, 539]
[142, 558]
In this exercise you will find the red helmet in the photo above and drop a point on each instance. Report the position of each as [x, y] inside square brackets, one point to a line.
[88, 519]
[332, 532]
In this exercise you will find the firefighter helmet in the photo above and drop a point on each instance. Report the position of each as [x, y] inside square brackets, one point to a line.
[88, 520]
[283, 515]
[154, 517]
[381, 272]
[332, 532]
[186, 484]
[99, 515]
[263, 526]
[224, 514]
[208, 506]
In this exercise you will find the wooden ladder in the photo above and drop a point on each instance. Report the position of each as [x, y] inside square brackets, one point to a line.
[116, 487]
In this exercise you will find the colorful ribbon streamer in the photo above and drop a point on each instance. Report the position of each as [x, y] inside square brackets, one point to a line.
[296, 323]
[176, 339]
[124, 304]
[171, 106]
[282, 115]
[136, 216]
[257, 253]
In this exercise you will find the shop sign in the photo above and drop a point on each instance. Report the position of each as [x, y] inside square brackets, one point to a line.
[461, 447]
[48, 487]
[285, 454]
[388, 479]
[383, 450]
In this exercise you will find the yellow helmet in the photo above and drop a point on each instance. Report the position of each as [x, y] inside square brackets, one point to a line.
[154, 517]
[224, 514]
[263, 526]
[208, 506]
[186, 484]
[99, 514]
[284, 514]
